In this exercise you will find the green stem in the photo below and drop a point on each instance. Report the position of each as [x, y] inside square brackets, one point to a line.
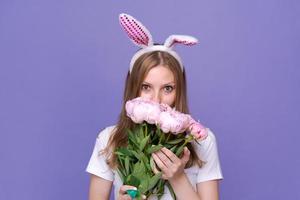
[168, 137]
[180, 149]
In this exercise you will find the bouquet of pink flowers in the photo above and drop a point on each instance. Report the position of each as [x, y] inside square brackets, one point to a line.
[157, 126]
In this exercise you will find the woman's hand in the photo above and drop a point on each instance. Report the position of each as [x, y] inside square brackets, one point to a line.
[123, 192]
[171, 166]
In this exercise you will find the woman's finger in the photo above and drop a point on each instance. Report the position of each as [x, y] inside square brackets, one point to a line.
[124, 188]
[124, 197]
[159, 162]
[170, 154]
[164, 158]
[153, 165]
[123, 192]
[186, 155]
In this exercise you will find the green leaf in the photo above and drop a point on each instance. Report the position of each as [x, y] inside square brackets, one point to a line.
[176, 141]
[145, 129]
[120, 161]
[144, 158]
[160, 188]
[136, 168]
[168, 146]
[123, 151]
[154, 180]
[179, 150]
[158, 130]
[162, 138]
[151, 133]
[147, 165]
[173, 149]
[144, 185]
[144, 142]
[154, 148]
[138, 156]
[132, 180]
[132, 140]
[119, 153]
[121, 174]
[140, 133]
[171, 190]
[139, 168]
[127, 165]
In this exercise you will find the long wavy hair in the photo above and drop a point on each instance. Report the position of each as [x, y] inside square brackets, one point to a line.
[132, 90]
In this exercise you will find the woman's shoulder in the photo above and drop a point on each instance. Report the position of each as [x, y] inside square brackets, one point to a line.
[206, 145]
[104, 134]
[211, 138]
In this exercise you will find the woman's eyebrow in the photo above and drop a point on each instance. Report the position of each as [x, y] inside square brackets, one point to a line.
[145, 82]
[169, 83]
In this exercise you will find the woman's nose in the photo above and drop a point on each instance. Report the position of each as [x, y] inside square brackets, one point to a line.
[156, 97]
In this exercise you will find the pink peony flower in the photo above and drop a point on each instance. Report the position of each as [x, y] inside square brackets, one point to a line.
[173, 121]
[197, 130]
[140, 110]
[168, 119]
[139, 113]
[129, 106]
[165, 107]
[153, 113]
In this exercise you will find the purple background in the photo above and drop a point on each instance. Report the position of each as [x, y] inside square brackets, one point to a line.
[62, 72]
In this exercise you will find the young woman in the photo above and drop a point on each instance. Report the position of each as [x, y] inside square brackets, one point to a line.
[156, 72]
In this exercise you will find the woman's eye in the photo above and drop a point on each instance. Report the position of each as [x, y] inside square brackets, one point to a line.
[145, 87]
[169, 88]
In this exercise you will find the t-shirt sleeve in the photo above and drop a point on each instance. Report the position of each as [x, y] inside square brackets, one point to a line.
[97, 164]
[208, 152]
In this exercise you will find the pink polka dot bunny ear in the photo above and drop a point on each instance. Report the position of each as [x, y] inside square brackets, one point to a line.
[136, 31]
[140, 36]
[180, 39]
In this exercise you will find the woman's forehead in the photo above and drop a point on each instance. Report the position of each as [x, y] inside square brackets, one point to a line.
[160, 74]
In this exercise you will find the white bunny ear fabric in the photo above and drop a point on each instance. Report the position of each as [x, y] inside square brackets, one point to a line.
[136, 31]
[180, 39]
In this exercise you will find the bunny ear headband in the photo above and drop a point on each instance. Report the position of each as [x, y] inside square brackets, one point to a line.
[141, 37]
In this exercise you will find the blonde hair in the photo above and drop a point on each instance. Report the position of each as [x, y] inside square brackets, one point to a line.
[133, 84]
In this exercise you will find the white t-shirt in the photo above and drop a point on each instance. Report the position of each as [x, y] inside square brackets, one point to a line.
[207, 152]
